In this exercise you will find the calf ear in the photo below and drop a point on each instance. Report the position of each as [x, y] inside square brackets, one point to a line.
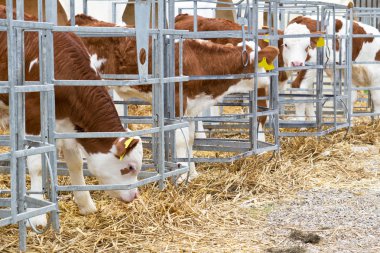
[270, 53]
[124, 146]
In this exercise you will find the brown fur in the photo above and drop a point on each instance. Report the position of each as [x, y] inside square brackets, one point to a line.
[300, 76]
[186, 22]
[377, 57]
[198, 59]
[89, 108]
[338, 25]
[357, 44]
[121, 150]
[297, 81]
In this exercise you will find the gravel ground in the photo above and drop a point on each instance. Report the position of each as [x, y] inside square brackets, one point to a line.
[346, 220]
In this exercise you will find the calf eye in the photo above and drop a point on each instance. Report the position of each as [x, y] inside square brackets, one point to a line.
[285, 45]
[125, 171]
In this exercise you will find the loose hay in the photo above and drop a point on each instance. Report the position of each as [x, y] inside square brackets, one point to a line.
[223, 210]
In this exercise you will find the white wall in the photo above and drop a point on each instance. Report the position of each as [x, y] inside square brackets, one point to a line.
[101, 10]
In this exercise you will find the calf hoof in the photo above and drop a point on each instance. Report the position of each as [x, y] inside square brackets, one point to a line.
[89, 208]
[37, 221]
[261, 137]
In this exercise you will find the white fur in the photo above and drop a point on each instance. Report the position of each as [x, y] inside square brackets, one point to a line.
[194, 108]
[4, 116]
[367, 53]
[32, 63]
[104, 166]
[261, 134]
[294, 49]
[96, 63]
[128, 92]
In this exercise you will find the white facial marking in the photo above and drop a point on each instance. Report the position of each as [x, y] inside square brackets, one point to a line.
[32, 63]
[294, 49]
[107, 169]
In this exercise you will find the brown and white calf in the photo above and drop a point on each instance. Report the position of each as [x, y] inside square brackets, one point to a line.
[186, 22]
[78, 109]
[200, 57]
[298, 51]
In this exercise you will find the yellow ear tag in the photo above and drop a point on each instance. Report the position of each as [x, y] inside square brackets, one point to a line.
[267, 40]
[321, 42]
[126, 145]
[264, 64]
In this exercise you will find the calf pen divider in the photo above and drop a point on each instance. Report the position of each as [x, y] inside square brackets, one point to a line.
[365, 106]
[331, 101]
[328, 99]
[157, 169]
[15, 201]
[245, 124]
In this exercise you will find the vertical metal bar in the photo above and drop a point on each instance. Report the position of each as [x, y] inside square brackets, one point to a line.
[12, 107]
[171, 113]
[85, 7]
[51, 11]
[159, 99]
[195, 29]
[180, 67]
[253, 94]
[40, 10]
[51, 16]
[319, 81]
[114, 12]
[335, 80]
[20, 111]
[274, 103]
[349, 59]
[72, 12]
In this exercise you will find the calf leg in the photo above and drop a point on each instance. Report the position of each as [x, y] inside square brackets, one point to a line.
[200, 134]
[35, 172]
[376, 100]
[184, 149]
[261, 134]
[307, 109]
[74, 163]
[310, 113]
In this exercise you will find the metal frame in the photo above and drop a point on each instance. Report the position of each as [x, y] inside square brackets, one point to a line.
[14, 206]
[160, 137]
[158, 169]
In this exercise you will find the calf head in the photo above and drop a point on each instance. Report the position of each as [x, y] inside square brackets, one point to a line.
[295, 51]
[269, 53]
[119, 166]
